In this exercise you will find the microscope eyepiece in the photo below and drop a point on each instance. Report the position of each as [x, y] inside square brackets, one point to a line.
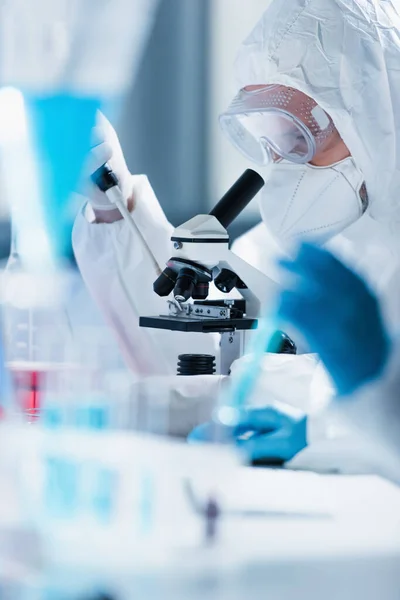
[238, 197]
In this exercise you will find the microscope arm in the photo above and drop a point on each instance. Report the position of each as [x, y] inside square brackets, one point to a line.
[260, 290]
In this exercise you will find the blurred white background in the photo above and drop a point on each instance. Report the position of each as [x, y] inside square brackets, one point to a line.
[231, 21]
[169, 128]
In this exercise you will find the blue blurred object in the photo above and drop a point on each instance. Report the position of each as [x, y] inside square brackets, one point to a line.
[61, 487]
[61, 127]
[6, 387]
[73, 489]
[94, 416]
[267, 436]
[338, 315]
[57, 61]
[243, 382]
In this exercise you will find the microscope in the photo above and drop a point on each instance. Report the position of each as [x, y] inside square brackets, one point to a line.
[201, 257]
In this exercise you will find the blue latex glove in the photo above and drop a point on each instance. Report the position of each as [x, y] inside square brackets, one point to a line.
[338, 315]
[270, 435]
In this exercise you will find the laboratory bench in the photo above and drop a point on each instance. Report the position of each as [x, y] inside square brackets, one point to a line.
[280, 533]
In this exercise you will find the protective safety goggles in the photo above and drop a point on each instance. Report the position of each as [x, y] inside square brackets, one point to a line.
[277, 122]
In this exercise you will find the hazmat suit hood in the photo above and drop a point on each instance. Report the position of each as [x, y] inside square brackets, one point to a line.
[345, 54]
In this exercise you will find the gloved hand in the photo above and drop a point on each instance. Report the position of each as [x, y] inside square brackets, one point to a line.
[106, 148]
[270, 436]
[338, 315]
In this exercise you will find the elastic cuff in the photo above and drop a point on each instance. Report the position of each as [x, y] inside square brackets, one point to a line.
[104, 207]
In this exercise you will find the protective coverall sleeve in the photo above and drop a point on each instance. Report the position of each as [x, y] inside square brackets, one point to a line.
[119, 268]
[375, 409]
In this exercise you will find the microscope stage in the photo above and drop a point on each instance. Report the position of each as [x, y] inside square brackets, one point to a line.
[188, 324]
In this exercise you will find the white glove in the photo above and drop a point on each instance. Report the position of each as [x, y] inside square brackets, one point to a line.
[106, 148]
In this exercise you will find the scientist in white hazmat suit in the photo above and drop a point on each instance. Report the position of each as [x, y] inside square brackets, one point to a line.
[343, 321]
[318, 97]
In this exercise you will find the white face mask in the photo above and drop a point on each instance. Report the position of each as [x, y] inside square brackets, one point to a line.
[314, 203]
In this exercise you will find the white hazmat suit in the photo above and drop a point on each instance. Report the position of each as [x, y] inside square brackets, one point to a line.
[374, 411]
[345, 55]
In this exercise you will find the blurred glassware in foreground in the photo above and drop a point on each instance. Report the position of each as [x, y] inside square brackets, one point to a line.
[55, 56]
[56, 70]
